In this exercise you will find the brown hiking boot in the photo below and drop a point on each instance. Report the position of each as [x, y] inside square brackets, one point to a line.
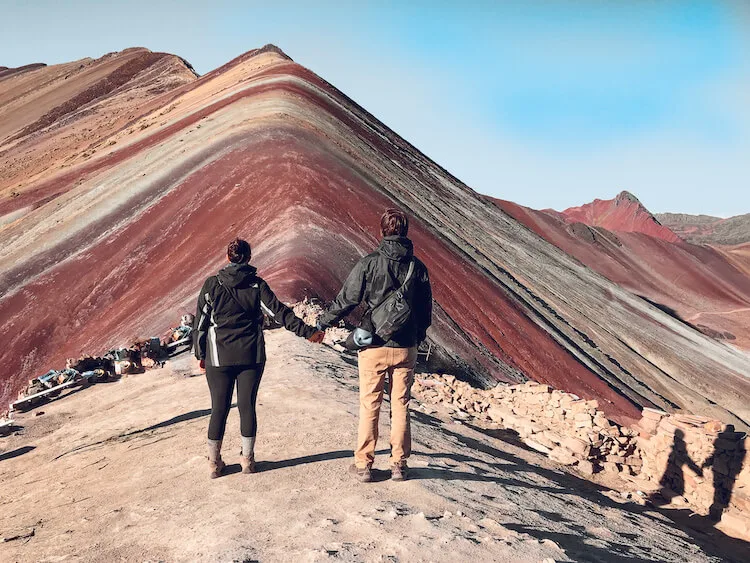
[216, 468]
[215, 463]
[399, 472]
[248, 464]
[364, 474]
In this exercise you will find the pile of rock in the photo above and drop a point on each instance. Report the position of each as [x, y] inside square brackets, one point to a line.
[310, 310]
[568, 429]
[699, 462]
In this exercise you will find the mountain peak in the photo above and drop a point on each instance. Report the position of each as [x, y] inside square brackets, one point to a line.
[626, 196]
[624, 213]
[271, 48]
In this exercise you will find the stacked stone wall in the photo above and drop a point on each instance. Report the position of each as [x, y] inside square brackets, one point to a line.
[677, 459]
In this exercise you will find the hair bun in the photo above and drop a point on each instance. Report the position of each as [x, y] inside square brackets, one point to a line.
[238, 251]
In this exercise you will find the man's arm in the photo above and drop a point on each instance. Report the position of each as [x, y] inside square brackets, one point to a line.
[423, 303]
[349, 297]
[281, 313]
[201, 322]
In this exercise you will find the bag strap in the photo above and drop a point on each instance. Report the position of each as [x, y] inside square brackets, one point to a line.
[400, 289]
[408, 277]
[235, 299]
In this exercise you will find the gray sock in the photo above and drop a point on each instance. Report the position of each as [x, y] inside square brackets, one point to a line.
[248, 446]
[214, 450]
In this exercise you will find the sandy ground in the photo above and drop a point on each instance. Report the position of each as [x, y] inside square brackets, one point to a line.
[116, 472]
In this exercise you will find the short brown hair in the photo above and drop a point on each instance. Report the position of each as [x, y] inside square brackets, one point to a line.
[238, 251]
[394, 223]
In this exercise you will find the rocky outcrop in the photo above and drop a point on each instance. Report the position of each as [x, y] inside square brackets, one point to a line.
[5, 72]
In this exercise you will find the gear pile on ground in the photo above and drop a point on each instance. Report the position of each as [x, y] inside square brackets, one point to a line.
[573, 432]
[141, 355]
[52, 383]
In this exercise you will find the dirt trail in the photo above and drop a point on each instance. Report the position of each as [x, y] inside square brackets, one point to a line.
[732, 312]
[116, 472]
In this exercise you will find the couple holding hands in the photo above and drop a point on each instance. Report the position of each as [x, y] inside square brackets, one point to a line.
[228, 341]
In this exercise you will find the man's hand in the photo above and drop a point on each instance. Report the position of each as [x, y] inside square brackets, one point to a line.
[317, 337]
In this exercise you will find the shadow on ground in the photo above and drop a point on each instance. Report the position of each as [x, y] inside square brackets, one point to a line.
[15, 453]
[700, 529]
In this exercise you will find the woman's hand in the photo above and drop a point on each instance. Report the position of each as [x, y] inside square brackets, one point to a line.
[317, 337]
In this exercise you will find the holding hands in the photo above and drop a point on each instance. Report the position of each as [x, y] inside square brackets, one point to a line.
[317, 337]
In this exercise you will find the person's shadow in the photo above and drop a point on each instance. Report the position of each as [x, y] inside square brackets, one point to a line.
[673, 480]
[726, 463]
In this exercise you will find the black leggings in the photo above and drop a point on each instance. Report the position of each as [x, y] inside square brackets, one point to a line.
[221, 384]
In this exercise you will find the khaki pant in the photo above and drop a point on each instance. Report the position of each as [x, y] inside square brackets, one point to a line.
[374, 365]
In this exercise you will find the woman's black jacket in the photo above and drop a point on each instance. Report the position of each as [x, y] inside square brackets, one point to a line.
[228, 328]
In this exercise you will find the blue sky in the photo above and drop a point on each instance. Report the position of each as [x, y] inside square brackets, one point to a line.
[546, 103]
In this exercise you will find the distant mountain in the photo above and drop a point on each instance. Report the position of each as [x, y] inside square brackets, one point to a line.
[625, 213]
[705, 229]
[707, 287]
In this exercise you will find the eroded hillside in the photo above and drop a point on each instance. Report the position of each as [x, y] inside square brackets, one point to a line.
[108, 246]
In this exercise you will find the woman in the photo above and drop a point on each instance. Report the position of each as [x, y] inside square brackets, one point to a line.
[229, 344]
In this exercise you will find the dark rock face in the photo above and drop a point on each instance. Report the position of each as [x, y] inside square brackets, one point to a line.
[265, 149]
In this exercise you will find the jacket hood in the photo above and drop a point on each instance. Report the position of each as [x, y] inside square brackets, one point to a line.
[396, 248]
[235, 275]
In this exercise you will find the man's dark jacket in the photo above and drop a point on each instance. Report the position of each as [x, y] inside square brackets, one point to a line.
[228, 327]
[374, 277]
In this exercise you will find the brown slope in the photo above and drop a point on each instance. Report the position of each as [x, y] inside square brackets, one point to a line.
[705, 229]
[53, 117]
[6, 72]
[270, 151]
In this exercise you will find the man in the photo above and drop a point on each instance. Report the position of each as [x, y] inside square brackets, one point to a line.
[373, 279]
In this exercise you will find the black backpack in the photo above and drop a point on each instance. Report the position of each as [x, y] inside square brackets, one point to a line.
[392, 314]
